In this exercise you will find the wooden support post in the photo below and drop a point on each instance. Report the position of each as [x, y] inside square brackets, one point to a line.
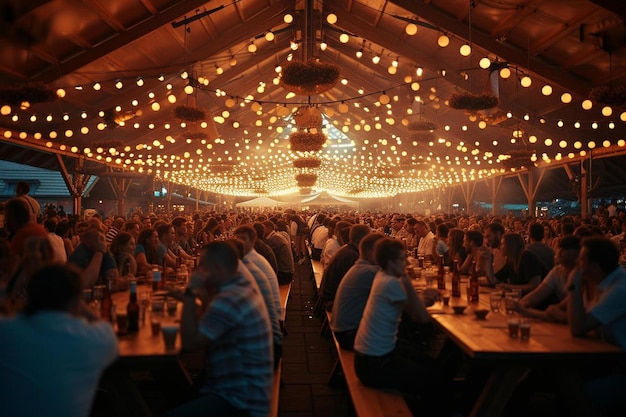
[530, 185]
[468, 193]
[496, 182]
[197, 199]
[75, 181]
[120, 186]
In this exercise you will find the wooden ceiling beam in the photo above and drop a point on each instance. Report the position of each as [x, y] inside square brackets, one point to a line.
[507, 53]
[507, 25]
[122, 39]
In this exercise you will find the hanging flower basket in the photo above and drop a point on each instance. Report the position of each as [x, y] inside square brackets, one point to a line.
[195, 135]
[307, 117]
[307, 142]
[306, 180]
[518, 159]
[421, 137]
[307, 163]
[421, 126]
[31, 92]
[309, 78]
[612, 96]
[189, 114]
[472, 102]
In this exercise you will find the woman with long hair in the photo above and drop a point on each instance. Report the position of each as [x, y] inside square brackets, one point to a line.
[456, 251]
[146, 250]
[209, 232]
[522, 270]
[123, 250]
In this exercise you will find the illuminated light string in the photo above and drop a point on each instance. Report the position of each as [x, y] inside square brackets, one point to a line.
[365, 179]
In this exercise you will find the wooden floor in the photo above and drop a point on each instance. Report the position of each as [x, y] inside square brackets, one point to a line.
[308, 359]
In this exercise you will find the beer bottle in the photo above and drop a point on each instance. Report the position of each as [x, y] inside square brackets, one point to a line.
[107, 302]
[132, 308]
[441, 276]
[156, 278]
[456, 280]
[472, 289]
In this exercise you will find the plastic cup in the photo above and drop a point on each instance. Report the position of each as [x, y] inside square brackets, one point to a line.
[169, 332]
[446, 299]
[155, 325]
[524, 329]
[122, 322]
[495, 301]
[514, 328]
[172, 306]
[157, 304]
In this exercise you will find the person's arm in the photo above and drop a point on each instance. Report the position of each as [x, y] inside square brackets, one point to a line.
[580, 322]
[92, 271]
[539, 294]
[414, 305]
[142, 263]
[524, 288]
[191, 336]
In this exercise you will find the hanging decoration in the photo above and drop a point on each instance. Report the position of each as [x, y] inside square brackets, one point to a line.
[610, 95]
[519, 158]
[29, 93]
[472, 102]
[189, 114]
[195, 135]
[306, 180]
[307, 142]
[308, 117]
[309, 78]
[422, 126]
[310, 162]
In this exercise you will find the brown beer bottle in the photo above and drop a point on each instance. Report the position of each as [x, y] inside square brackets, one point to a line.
[472, 289]
[441, 276]
[107, 302]
[456, 280]
[132, 308]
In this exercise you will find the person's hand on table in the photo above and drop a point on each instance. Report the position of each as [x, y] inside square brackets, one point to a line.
[503, 286]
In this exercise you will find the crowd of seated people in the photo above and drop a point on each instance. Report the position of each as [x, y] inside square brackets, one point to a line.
[567, 269]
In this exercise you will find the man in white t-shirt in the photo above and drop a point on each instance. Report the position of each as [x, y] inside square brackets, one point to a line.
[53, 353]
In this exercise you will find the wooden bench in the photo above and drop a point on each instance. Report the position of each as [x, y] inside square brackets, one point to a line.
[283, 291]
[276, 390]
[368, 402]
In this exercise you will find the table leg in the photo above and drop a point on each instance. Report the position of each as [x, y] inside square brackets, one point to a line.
[497, 392]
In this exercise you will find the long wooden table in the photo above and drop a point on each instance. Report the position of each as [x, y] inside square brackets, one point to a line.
[550, 347]
[145, 365]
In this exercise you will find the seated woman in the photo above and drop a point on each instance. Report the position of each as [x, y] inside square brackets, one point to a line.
[522, 270]
[146, 251]
[552, 292]
[123, 250]
[456, 251]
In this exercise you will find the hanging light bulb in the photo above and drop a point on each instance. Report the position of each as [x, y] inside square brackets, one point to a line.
[484, 62]
[344, 38]
[395, 62]
[376, 59]
[269, 36]
[505, 72]
[359, 53]
[252, 47]
[323, 46]
[465, 50]
[443, 40]
[526, 81]
[288, 18]
[411, 29]
[331, 18]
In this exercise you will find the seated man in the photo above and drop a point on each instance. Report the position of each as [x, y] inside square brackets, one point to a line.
[552, 292]
[234, 329]
[54, 352]
[381, 362]
[93, 259]
[352, 293]
[602, 282]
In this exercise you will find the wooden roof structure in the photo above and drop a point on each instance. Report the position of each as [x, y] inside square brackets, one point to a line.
[124, 65]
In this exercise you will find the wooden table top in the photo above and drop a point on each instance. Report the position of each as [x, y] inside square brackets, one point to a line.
[143, 343]
[489, 338]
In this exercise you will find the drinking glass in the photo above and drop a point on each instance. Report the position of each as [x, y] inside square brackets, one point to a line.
[511, 299]
[495, 301]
